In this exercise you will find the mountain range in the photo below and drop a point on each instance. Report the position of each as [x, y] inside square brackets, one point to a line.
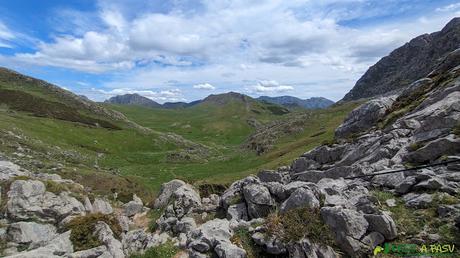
[221, 99]
[289, 101]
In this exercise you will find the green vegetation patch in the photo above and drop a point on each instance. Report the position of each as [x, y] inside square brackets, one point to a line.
[243, 239]
[83, 227]
[154, 215]
[407, 222]
[166, 250]
[296, 224]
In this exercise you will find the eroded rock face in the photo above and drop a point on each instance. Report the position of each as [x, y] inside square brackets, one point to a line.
[133, 207]
[105, 235]
[137, 241]
[93, 252]
[258, 199]
[167, 189]
[237, 212]
[364, 117]
[234, 194]
[383, 224]
[410, 62]
[60, 246]
[212, 235]
[31, 234]
[300, 198]
[186, 199]
[307, 249]
[10, 170]
[229, 250]
[415, 200]
[28, 199]
[270, 244]
[435, 149]
[349, 227]
[102, 206]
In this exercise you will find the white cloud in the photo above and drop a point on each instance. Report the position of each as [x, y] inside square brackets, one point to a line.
[204, 86]
[227, 42]
[6, 36]
[296, 33]
[171, 95]
[271, 86]
[448, 8]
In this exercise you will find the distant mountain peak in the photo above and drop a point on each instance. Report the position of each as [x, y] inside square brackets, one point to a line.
[225, 98]
[410, 62]
[133, 99]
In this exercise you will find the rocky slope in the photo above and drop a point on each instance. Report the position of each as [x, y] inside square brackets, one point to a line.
[133, 99]
[292, 102]
[308, 209]
[408, 63]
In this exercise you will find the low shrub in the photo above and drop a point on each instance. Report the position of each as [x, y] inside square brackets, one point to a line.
[83, 227]
[54, 187]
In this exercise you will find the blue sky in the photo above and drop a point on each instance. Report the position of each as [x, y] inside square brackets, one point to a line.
[183, 50]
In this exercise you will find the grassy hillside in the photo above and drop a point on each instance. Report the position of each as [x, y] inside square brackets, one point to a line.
[226, 128]
[208, 122]
[199, 144]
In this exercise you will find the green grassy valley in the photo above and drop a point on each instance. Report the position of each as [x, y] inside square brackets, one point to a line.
[136, 149]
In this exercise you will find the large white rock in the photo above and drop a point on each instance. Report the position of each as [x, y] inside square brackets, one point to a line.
[166, 191]
[301, 198]
[137, 241]
[102, 206]
[106, 236]
[229, 250]
[60, 246]
[30, 233]
[133, 207]
[29, 200]
[258, 199]
[364, 117]
[10, 170]
[383, 224]
[186, 200]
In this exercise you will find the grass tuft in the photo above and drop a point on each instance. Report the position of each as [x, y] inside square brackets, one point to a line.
[166, 250]
[296, 224]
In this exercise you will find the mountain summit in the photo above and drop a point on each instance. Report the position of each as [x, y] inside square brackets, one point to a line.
[225, 98]
[410, 62]
[133, 99]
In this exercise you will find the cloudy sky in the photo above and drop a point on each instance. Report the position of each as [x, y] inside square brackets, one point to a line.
[183, 50]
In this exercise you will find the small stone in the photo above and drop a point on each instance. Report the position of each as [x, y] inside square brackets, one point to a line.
[391, 202]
